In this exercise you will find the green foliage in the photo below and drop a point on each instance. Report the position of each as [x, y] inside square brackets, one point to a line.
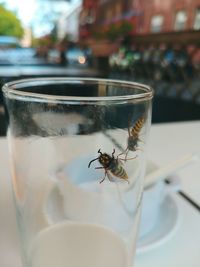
[114, 31]
[98, 34]
[44, 41]
[121, 30]
[125, 28]
[10, 25]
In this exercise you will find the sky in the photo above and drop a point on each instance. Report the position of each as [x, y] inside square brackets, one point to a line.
[36, 13]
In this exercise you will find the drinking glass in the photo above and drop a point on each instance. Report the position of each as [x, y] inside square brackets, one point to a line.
[77, 149]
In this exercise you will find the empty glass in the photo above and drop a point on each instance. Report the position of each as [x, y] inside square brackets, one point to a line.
[77, 149]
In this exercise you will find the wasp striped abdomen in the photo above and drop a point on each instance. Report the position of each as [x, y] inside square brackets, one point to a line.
[117, 170]
[137, 127]
[133, 137]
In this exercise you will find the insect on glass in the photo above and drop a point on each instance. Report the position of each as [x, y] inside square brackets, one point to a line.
[133, 137]
[111, 165]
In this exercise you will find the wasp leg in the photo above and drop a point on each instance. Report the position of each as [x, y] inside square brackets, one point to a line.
[125, 159]
[126, 155]
[104, 177]
[138, 148]
[130, 158]
[122, 153]
[102, 180]
[125, 151]
[106, 174]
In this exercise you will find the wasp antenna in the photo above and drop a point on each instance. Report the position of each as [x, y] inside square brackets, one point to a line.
[99, 151]
[91, 162]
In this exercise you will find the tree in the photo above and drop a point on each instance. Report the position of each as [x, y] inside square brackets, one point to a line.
[114, 31]
[10, 25]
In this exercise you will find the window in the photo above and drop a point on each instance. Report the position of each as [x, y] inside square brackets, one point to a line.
[180, 20]
[197, 20]
[157, 23]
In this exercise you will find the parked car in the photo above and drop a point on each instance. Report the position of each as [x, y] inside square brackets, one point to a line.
[9, 42]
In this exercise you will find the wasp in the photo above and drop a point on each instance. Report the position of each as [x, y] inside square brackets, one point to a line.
[133, 137]
[111, 165]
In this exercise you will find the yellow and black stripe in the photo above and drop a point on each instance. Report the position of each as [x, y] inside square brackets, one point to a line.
[137, 127]
[119, 172]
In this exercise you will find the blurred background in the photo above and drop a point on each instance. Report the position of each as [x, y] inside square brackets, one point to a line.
[155, 42]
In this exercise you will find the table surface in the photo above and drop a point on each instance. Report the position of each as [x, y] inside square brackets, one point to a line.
[167, 143]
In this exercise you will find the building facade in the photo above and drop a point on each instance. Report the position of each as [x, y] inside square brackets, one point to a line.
[87, 17]
[111, 11]
[146, 16]
[171, 15]
[102, 13]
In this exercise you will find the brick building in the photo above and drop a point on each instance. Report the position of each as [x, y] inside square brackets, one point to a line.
[101, 13]
[170, 15]
[146, 15]
[87, 17]
[111, 11]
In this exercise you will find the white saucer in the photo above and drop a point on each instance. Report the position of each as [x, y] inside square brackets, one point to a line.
[164, 229]
[162, 232]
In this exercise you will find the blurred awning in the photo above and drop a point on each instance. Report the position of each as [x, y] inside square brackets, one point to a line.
[125, 16]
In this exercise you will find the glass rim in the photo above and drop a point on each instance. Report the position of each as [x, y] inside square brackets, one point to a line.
[16, 89]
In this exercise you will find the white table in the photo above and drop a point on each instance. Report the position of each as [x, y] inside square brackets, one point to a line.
[167, 143]
[171, 141]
